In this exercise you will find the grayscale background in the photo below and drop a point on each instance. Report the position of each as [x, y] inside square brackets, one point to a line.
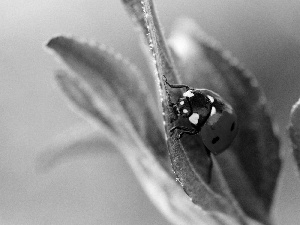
[265, 35]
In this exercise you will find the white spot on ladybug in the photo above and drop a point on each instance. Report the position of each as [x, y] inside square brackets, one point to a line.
[185, 111]
[188, 94]
[214, 116]
[211, 99]
[181, 103]
[213, 111]
[194, 118]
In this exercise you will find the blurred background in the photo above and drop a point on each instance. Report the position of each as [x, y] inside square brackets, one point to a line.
[103, 190]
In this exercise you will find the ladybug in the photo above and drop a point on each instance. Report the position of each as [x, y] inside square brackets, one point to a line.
[208, 114]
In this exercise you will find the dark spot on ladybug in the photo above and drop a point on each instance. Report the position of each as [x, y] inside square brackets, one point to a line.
[215, 139]
[232, 126]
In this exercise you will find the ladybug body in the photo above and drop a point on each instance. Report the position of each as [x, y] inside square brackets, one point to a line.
[209, 115]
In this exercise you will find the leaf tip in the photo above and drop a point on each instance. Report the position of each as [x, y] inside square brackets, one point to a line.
[59, 41]
[54, 40]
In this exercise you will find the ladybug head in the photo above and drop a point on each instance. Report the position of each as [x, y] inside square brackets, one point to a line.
[184, 107]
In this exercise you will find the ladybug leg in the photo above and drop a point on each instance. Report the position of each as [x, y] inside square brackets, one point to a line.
[178, 128]
[189, 132]
[177, 85]
[184, 130]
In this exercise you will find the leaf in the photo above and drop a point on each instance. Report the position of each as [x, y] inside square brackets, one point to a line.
[200, 161]
[294, 131]
[252, 164]
[82, 139]
[213, 197]
[120, 90]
